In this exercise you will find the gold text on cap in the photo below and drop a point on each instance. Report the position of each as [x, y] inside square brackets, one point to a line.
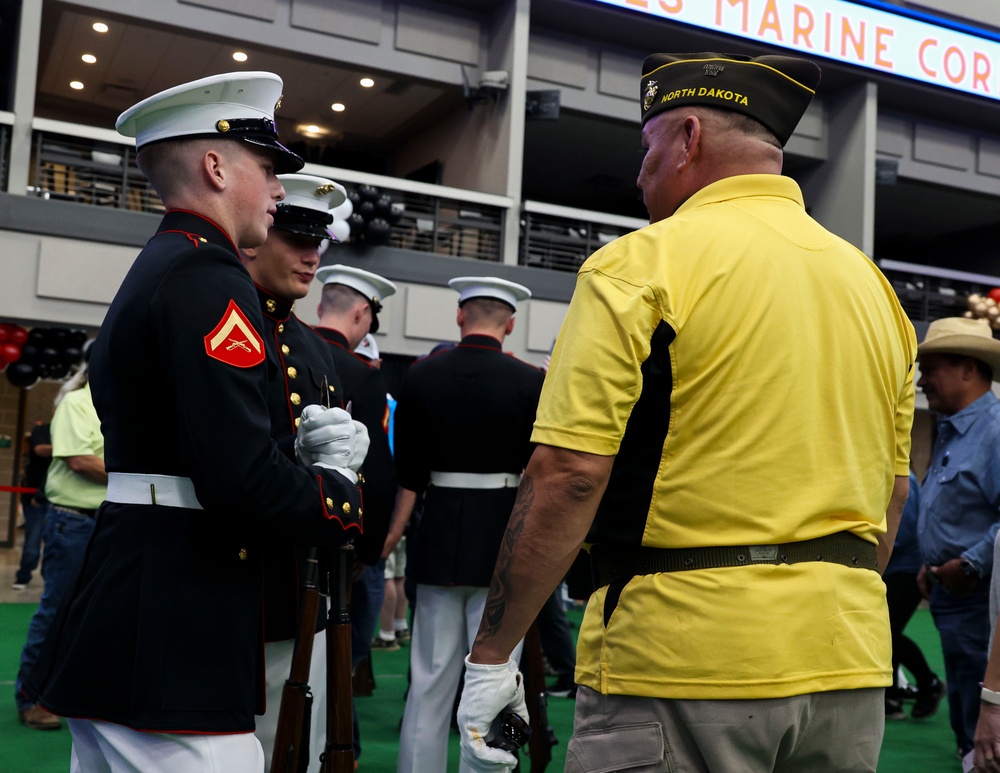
[714, 69]
[650, 95]
[223, 125]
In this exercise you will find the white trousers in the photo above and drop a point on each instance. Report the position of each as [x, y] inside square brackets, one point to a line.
[103, 747]
[278, 657]
[445, 623]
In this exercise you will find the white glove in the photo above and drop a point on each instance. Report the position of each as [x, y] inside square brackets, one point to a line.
[489, 691]
[361, 443]
[326, 438]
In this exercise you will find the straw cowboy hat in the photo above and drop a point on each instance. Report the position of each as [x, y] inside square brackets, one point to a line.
[967, 337]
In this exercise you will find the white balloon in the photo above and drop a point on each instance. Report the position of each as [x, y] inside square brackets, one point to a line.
[344, 211]
[341, 229]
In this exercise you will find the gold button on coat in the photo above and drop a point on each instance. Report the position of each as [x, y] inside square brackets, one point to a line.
[292, 373]
[298, 420]
[243, 554]
[329, 503]
[281, 328]
[285, 350]
[347, 508]
[294, 397]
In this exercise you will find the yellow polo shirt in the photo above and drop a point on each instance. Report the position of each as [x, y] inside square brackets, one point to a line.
[76, 431]
[752, 374]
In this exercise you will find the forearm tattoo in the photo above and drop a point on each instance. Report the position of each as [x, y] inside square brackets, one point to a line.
[496, 600]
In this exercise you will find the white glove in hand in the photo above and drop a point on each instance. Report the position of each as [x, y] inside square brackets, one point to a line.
[361, 443]
[326, 437]
[489, 690]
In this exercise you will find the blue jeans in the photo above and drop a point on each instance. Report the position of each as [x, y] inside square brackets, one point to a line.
[34, 522]
[963, 623]
[66, 538]
[367, 594]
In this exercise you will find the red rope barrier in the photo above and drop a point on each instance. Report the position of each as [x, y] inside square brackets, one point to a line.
[19, 489]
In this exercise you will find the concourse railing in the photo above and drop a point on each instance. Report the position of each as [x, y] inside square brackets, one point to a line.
[928, 292]
[561, 238]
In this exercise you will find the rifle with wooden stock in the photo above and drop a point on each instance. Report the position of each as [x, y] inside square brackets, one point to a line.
[338, 755]
[291, 740]
[542, 737]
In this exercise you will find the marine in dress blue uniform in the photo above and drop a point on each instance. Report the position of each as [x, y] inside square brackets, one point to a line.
[462, 435]
[162, 629]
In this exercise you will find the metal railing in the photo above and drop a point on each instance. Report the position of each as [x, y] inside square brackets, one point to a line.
[561, 238]
[88, 170]
[6, 121]
[928, 293]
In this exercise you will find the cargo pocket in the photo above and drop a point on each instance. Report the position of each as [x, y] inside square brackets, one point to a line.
[635, 748]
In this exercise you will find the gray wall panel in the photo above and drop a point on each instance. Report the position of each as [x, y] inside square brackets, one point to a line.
[255, 9]
[559, 61]
[446, 35]
[343, 18]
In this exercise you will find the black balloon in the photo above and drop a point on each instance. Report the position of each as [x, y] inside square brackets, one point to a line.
[57, 371]
[72, 355]
[354, 196]
[368, 193]
[377, 231]
[29, 353]
[59, 337]
[49, 355]
[395, 214]
[383, 205]
[357, 224]
[366, 209]
[22, 375]
[78, 338]
[39, 336]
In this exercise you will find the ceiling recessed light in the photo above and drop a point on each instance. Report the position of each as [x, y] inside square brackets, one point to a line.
[89, 58]
[239, 56]
[337, 107]
[311, 130]
[367, 82]
[76, 85]
[100, 26]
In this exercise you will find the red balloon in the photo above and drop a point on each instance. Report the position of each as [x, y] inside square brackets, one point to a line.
[18, 335]
[994, 294]
[4, 335]
[10, 352]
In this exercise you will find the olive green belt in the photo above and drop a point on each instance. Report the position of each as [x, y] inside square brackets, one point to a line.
[611, 563]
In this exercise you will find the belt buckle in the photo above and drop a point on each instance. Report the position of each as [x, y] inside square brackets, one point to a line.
[767, 553]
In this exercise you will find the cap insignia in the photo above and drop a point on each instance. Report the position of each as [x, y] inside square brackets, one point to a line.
[714, 69]
[323, 190]
[278, 103]
[650, 95]
[223, 125]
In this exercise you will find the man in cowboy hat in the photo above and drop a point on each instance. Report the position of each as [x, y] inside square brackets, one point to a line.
[960, 504]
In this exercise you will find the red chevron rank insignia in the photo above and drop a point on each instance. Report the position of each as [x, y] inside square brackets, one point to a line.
[234, 341]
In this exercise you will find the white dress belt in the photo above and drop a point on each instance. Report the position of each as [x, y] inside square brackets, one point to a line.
[139, 488]
[475, 480]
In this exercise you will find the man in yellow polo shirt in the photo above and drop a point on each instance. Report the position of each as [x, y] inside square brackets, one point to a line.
[726, 421]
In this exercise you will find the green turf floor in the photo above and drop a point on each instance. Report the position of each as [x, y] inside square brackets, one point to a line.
[910, 746]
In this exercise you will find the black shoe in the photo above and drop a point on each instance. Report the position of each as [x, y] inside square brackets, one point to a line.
[929, 697]
[563, 688]
[894, 709]
[909, 693]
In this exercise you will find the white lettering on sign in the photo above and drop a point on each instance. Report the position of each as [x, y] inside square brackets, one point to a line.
[848, 32]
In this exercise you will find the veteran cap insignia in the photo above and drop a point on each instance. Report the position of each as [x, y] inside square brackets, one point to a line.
[714, 69]
[650, 95]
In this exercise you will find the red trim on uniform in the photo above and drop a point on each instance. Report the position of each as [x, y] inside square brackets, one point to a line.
[335, 516]
[385, 419]
[234, 340]
[209, 220]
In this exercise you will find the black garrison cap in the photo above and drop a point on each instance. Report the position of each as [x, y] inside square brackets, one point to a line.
[774, 90]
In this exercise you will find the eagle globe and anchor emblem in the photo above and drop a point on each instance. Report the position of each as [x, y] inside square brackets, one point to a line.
[649, 95]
